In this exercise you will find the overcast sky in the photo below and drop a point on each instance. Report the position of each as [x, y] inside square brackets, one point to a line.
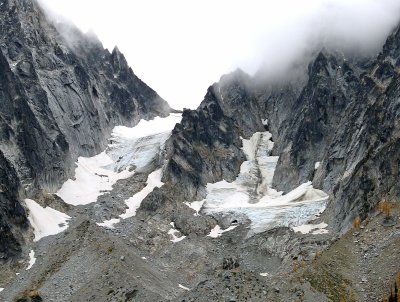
[180, 47]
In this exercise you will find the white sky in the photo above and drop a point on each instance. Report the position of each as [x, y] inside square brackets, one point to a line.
[180, 47]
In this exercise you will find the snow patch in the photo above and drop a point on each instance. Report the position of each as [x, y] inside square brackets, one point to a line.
[1, 289]
[195, 205]
[109, 223]
[217, 231]
[183, 287]
[264, 274]
[45, 221]
[94, 176]
[317, 165]
[32, 259]
[252, 195]
[320, 231]
[307, 228]
[133, 203]
[173, 231]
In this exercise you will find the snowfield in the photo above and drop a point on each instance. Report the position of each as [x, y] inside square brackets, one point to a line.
[174, 231]
[217, 231]
[93, 177]
[133, 203]
[45, 221]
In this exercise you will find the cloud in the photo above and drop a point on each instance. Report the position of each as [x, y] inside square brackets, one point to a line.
[180, 47]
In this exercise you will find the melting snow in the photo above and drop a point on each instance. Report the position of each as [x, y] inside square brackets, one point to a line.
[217, 231]
[251, 194]
[320, 231]
[307, 228]
[195, 205]
[172, 233]
[45, 221]
[109, 223]
[183, 287]
[93, 177]
[133, 203]
[32, 259]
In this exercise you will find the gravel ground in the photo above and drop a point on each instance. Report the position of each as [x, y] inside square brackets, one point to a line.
[136, 261]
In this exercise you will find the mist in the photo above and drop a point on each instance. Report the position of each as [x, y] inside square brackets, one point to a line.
[181, 47]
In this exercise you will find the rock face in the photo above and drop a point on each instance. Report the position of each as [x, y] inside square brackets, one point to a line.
[340, 113]
[61, 94]
[206, 146]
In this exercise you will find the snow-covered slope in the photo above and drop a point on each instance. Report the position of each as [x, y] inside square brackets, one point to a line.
[45, 221]
[93, 176]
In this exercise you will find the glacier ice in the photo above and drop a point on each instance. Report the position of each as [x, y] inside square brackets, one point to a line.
[251, 195]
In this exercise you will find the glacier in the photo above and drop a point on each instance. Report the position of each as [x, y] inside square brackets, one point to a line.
[252, 197]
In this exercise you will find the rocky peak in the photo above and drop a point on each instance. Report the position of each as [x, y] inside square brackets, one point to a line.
[391, 49]
[118, 60]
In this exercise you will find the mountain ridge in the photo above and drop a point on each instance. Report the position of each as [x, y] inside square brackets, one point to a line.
[69, 98]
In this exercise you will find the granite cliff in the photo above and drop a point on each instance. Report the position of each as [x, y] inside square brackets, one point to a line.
[61, 95]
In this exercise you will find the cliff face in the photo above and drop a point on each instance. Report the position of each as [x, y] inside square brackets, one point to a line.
[61, 94]
[337, 115]
[206, 146]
